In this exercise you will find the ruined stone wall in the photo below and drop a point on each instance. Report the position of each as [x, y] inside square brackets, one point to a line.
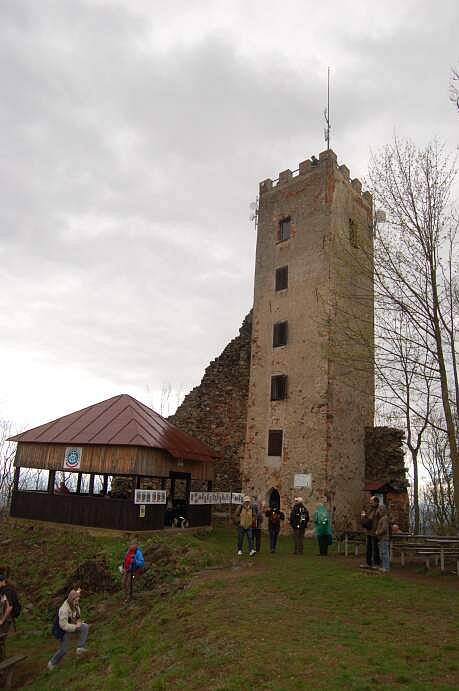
[385, 457]
[216, 411]
[385, 462]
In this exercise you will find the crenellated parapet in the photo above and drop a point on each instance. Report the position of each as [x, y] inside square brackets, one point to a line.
[312, 166]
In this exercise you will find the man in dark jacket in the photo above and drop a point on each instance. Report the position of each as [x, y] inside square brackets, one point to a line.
[6, 613]
[369, 520]
[275, 516]
[299, 518]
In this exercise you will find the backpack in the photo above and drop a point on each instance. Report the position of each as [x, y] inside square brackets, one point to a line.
[56, 628]
[13, 599]
[303, 517]
[275, 518]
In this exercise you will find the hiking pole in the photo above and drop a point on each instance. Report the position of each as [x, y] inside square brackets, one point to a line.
[131, 582]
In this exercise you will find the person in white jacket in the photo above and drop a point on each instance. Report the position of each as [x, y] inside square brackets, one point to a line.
[69, 624]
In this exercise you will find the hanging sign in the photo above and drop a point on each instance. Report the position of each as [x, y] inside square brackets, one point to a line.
[303, 480]
[142, 511]
[72, 457]
[150, 496]
[210, 498]
[237, 498]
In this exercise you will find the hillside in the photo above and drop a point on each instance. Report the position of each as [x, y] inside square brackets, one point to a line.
[205, 620]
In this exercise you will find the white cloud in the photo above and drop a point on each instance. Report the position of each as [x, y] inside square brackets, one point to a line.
[133, 139]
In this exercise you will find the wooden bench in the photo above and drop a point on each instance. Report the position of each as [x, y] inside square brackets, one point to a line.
[348, 540]
[427, 550]
[7, 669]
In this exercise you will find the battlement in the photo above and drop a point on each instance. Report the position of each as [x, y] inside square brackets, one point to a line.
[327, 160]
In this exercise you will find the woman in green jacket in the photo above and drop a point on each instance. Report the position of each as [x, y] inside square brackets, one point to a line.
[322, 528]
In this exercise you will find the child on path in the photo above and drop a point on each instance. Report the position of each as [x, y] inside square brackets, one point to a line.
[69, 623]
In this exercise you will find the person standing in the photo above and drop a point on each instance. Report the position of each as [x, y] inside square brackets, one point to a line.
[369, 520]
[6, 613]
[133, 566]
[382, 534]
[69, 623]
[322, 527]
[275, 516]
[245, 516]
[299, 517]
[256, 525]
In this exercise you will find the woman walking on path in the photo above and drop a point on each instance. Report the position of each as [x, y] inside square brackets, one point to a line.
[322, 528]
[69, 622]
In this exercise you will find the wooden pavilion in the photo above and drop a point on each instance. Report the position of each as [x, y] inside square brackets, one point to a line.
[116, 464]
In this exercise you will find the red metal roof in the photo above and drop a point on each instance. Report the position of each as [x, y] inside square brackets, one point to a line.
[118, 421]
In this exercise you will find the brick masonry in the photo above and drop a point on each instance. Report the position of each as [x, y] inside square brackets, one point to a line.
[385, 462]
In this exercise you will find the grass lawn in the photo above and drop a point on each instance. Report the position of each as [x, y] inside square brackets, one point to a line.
[271, 622]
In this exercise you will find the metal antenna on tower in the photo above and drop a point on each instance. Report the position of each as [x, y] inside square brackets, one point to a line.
[327, 113]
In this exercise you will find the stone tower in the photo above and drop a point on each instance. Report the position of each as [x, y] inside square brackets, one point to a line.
[311, 390]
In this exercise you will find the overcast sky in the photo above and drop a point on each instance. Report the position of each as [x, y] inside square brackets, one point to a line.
[133, 138]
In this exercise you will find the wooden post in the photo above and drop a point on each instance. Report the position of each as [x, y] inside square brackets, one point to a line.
[131, 583]
[402, 558]
[346, 546]
[442, 558]
[356, 550]
[17, 470]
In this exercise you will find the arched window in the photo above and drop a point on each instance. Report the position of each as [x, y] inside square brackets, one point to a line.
[274, 499]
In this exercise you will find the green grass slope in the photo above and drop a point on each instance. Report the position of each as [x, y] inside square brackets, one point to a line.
[211, 620]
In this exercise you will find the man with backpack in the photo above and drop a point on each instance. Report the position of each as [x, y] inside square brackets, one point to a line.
[275, 516]
[10, 607]
[299, 518]
[133, 566]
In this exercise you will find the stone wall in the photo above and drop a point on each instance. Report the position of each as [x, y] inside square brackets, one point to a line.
[216, 411]
[329, 401]
[385, 462]
[385, 457]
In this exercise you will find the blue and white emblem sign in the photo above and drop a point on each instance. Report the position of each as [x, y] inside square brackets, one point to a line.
[72, 457]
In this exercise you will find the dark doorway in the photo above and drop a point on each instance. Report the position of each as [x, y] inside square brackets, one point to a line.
[177, 504]
[274, 499]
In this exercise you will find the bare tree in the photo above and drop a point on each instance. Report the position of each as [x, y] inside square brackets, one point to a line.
[438, 491]
[7, 451]
[404, 376]
[414, 272]
[454, 87]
